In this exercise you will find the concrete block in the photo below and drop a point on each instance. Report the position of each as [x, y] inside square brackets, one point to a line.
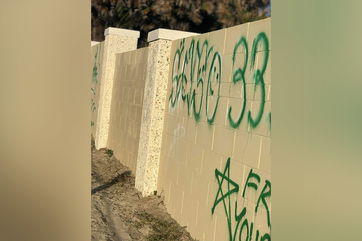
[122, 32]
[168, 34]
[265, 156]
[233, 35]
[223, 140]
[221, 113]
[204, 135]
[252, 151]
[217, 40]
[227, 68]
[257, 27]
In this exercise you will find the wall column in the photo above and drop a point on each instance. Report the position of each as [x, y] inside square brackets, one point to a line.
[154, 104]
[116, 41]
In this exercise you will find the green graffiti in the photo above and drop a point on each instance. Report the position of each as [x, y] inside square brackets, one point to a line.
[259, 75]
[95, 74]
[220, 196]
[227, 188]
[239, 75]
[197, 112]
[95, 70]
[214, 74]
[251, 232]
[188, 63]
[269, 120]
[175, 79]
[245, 224]
[95, 66]
[201, 69]
[93, 106]
[266, 193]
[257, 235]
[197, 68]
[266, 237]
[251, 184]
[189, 71]
[238, 219]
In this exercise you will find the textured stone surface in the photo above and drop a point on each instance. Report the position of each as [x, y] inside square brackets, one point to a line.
[153, 116]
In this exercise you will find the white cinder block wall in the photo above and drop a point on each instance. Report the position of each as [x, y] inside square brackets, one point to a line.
[204, 137]
[216, 140]
[126, 106]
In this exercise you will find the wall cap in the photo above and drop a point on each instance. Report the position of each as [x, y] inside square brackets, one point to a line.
[122, 32]
[94, 43]
[168, 34]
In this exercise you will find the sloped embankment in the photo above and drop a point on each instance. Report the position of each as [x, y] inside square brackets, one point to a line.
[118, 210]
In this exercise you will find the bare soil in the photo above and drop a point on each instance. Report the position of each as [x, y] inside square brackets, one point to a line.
[119, 212]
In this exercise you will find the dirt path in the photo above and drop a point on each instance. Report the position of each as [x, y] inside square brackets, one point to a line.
[119, 213]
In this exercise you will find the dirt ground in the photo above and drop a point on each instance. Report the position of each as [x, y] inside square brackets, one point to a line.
[119, 212]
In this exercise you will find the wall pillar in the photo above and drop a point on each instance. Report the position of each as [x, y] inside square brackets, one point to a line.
[116, 41]
[154, 104]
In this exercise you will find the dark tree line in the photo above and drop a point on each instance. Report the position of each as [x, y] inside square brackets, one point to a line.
[198, 16]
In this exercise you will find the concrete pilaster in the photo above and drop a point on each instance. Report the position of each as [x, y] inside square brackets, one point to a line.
[154, 104]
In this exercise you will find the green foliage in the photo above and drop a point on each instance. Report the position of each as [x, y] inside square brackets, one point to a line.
[109, 152]
[188, 15]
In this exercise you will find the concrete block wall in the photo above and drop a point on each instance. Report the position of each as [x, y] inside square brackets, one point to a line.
[126, 105]
[215, 161]
[97, 57]
[116, 41]
[155, 99]
[191, 116]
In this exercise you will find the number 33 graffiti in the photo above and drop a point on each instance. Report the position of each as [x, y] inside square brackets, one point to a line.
[198, 69]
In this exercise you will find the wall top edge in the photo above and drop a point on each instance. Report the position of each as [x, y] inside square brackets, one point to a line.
[122, 32]
[168, 34]
[94, 43]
